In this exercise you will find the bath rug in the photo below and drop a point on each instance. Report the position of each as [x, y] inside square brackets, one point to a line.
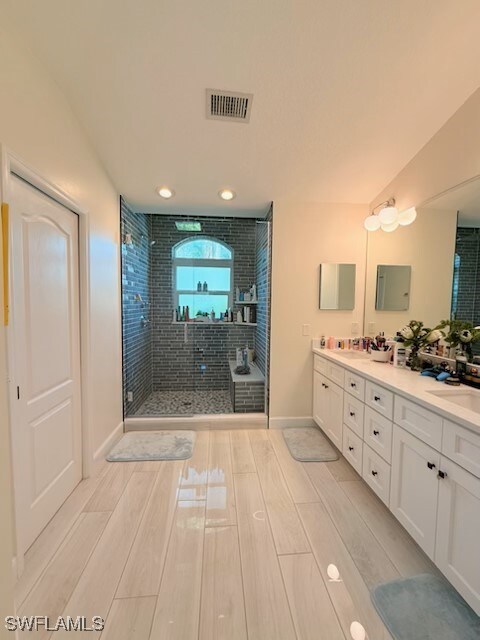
[308, 444]
[153, 445]
[425, 607]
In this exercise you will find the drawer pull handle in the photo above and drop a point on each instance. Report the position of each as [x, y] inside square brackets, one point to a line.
[430, 465]
[374, 473]
[377, 398]
[353, 385]
[442, 474]
[375, 433]
[350, 448]
[352, 413]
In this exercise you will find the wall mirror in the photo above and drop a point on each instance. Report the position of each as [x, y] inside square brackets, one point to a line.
[393, 287]
[337, 286]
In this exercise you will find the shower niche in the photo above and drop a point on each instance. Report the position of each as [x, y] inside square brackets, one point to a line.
[195, 292]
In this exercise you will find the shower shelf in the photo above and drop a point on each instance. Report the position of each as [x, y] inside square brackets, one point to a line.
[218, 324]
[246, 301]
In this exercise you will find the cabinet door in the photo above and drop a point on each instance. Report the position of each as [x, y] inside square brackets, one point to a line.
[334, 417]
[414, 487]
[457, 552]
[319, 399]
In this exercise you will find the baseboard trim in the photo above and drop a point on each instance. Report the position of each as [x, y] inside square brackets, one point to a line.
[287, 422]
[106, 445]
[200, 422]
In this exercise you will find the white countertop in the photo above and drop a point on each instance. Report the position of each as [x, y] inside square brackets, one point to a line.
[407, 383]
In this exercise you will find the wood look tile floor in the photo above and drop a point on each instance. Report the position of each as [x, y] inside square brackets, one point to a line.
[239, 542]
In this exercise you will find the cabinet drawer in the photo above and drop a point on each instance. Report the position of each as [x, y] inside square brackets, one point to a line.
[377, 433]
[320, 364]
[462, 446]
[376, 473]
[379, 399]
[353, 449]
[335, 373]
[355, 385]
[353, 411]
[422, 423]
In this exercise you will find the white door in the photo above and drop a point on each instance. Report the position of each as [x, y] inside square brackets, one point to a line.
[457, 552]
[414, 487]
[334, 426]
[46, 417]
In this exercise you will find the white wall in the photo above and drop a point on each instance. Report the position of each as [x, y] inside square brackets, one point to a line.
[428, 246]
[37, 124]
[304, 236]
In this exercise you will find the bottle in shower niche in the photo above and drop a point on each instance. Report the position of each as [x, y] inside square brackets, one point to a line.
[239, 317]
[199, 286]
[205, 286]
[187, 313]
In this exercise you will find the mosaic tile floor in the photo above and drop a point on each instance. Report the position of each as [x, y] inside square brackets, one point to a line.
[185, 403]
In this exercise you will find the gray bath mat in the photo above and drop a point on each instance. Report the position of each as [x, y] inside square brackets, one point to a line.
[308, 444]
[157, 445]
[425, 608]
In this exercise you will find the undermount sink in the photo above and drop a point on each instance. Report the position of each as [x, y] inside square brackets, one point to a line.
[466, 398]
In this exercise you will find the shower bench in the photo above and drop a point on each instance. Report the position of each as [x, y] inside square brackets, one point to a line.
[247, 392]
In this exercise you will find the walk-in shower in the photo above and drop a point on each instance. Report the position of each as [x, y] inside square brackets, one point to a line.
[195, 295]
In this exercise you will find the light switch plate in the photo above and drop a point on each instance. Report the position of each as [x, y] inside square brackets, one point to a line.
[305, 330]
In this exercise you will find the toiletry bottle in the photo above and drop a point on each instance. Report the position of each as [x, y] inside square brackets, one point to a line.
[187, 313]
[322, 342]
[205, 286]
[199, 286]
[239, 317]
[253, 291]
[212, 315]
[461, 365]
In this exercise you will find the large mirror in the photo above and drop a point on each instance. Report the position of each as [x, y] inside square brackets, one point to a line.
[393, 287]
[441, 251]
[337, 286]
[409, 271]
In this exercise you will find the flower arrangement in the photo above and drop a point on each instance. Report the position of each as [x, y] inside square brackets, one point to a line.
[458, 333]
[416, 335]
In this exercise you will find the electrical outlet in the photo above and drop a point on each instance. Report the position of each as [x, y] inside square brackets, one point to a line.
[371, 329]
[305, 330]
[355, 328]
[129, 396]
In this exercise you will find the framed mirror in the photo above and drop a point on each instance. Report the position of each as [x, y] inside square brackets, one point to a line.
[393, 287]
[337, 287]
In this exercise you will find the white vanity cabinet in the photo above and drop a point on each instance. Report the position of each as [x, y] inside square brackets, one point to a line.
[457, 547]
[328, 407]
[425, 468]
[414, 487]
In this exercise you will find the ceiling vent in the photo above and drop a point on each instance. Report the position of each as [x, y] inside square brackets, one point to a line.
[228, 105]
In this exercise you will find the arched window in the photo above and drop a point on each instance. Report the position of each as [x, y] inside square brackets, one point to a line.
[202, 270]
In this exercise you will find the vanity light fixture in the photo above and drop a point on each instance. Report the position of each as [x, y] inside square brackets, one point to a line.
[227, 194]
[165, 192]
[389, 218]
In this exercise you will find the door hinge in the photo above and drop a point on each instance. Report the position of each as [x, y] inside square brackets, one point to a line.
[18, 393]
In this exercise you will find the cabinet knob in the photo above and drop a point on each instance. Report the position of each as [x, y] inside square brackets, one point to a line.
[374, 473]
[375, 433]
[430, 465]
[442, 474]
[353, 385]
[326, 386]
[352, 413]
[350, 448]
[377, 398]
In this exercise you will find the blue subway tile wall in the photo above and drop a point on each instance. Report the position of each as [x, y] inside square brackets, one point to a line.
[137, 344]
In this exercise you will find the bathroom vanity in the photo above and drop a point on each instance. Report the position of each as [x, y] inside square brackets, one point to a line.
[416, 443]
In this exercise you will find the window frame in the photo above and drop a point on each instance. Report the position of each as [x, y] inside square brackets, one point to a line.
[202, 262]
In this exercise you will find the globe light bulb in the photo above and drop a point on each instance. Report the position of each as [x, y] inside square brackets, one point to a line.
[407, 217]
[390, 227]
[388, 215]
[372, 223]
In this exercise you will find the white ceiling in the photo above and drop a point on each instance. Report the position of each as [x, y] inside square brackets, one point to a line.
[345, 91]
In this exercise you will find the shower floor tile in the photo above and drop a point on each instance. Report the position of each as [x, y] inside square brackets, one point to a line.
[186, 402]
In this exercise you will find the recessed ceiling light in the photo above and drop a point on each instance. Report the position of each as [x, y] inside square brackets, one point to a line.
[227, 194]
[165, 192]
